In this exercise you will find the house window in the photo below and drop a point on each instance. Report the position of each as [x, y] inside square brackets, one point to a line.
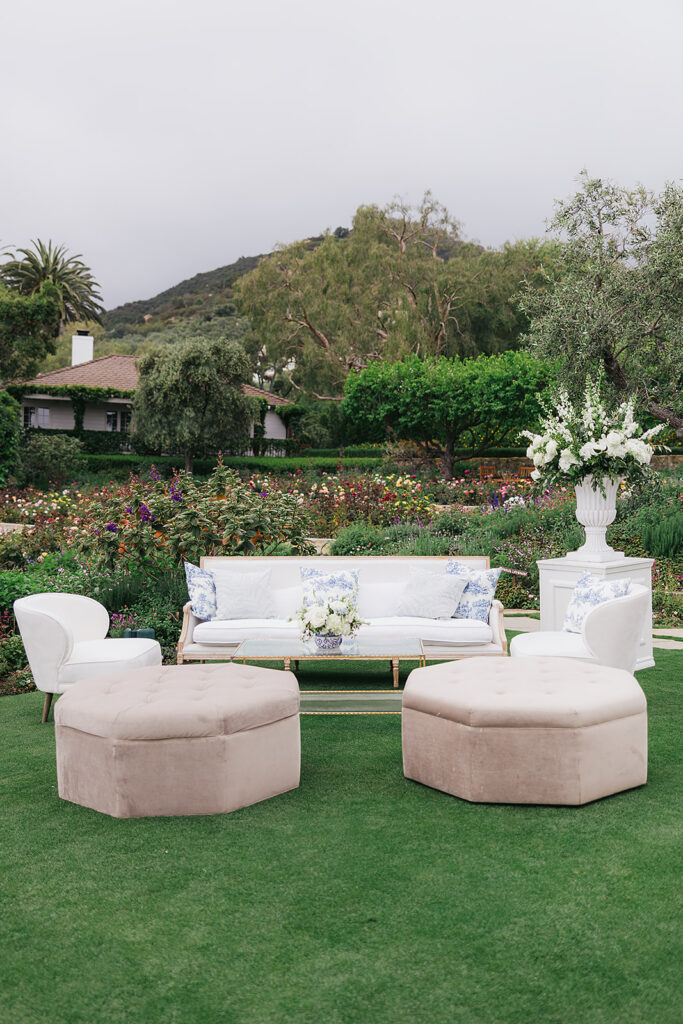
[112, 421]
[126, 416]
[34, 417]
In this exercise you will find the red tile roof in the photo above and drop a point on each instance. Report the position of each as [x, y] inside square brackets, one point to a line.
[120, 373]
[253, 392]
[113, 371]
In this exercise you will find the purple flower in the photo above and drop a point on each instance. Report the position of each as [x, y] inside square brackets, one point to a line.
[112, 527]
[155, 474]
[146, 515]
[129, 509]
[264, 494]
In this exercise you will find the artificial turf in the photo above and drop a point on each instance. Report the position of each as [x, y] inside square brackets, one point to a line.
[360, 897]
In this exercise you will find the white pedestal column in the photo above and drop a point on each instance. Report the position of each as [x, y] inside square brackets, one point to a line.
[558, 577]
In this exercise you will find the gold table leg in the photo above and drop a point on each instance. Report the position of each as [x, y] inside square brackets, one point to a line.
[394, 665]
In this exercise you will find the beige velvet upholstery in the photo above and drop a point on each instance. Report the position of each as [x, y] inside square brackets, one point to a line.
[201, 739]
[527, 731]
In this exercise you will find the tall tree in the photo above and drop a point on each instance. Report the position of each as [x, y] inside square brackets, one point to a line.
[190, 397]
[442, 404]
[10, 411]
[28, 327]
[616, 306]
[79, 296]
[400, 282]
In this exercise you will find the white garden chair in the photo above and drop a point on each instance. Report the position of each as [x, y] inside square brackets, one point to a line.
[611, 634]
[65, 641]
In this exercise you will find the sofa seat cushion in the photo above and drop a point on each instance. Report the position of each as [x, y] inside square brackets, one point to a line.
[92, 658]
[460, 631]
[234, 631]
[550, 643]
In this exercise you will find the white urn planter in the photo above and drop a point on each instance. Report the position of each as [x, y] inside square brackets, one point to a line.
[596, 512]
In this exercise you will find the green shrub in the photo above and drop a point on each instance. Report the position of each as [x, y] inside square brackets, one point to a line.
[119, 467]
[9, 435]
[51, 459]
[664, 539]
[12, 654]
[361, 539]
[150, 527]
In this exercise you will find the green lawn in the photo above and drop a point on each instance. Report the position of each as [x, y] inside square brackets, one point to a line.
[361, 897]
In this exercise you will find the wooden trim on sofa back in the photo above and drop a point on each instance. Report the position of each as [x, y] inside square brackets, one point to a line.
[305, 559]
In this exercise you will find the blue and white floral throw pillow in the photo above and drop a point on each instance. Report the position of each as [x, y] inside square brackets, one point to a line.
[201, 588]
[480, 590]
[322, 585]
[589, 592]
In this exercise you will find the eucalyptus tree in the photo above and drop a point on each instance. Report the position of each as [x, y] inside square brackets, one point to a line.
[616, 305]
[401, 282]
[79, 296]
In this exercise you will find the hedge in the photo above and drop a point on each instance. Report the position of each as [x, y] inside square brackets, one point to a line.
[120, 466]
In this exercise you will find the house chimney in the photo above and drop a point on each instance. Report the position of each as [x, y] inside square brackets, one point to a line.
[81, 347]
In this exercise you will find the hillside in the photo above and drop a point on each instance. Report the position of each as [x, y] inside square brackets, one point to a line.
[207, 293]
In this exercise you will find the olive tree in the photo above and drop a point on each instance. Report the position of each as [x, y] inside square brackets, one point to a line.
[616, 305]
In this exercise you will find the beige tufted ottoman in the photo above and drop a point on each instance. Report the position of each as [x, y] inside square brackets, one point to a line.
[202, 739]
[525, 731]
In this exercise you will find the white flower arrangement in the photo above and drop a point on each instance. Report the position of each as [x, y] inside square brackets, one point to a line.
[336, 617]
[590, 441]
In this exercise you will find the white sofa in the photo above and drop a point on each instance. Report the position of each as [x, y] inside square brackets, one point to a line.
[217, 639]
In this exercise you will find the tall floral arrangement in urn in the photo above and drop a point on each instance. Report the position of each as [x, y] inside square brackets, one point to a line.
[590, 440]
[593, 448]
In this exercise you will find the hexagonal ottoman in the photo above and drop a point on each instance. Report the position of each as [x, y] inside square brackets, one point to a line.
[524, 731]
[200, 739]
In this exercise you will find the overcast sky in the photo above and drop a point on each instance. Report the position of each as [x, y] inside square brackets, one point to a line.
[161, 138]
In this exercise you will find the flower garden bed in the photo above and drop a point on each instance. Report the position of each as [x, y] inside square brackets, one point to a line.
[123, 543]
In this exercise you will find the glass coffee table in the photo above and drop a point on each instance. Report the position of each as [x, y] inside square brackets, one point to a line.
[352, 649]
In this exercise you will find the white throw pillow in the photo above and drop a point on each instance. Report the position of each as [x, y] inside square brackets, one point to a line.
[379, 600]
[588, 593]
[431, 595]
[244, 595]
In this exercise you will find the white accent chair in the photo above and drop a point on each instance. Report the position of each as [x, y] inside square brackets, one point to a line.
[611, 634]
[64, 637]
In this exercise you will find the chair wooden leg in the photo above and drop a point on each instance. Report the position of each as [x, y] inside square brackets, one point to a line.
[46, 707]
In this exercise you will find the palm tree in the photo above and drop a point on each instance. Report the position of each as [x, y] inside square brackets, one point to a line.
[80, 298]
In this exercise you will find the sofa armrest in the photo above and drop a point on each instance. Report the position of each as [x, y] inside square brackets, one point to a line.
[497, 625]
[190, 620]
